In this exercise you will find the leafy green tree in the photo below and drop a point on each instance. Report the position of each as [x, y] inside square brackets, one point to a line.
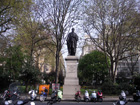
[35, 44]
[4, 75]
[11, 65]
[113, 27]
[16, 66]
[93, 67]
[33, 35]
[30, 75]
[14, 61]
[50, 77]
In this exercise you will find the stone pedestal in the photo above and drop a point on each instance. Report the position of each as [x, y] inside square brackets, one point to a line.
[71, 82]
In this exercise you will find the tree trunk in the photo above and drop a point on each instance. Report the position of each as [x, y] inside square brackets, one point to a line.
[57, 65]
[111, 71]
[26, 88]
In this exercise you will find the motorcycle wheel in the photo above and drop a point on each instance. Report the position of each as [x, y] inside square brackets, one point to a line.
[59, 99]
[94, 100]
[54, 100]
[4, 98]
[86, 100]
[49, 103]
[32, 99]
[13, 97]
[42, 98]
[100, 100]
[135, 98]
[78, 99]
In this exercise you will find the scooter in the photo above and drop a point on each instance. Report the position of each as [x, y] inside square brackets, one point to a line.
[121, 101]
[99, 96]
[8, 94]
[54, 96]
[33, 94]
[14, 101]
[86, 96]
[59, 95]
[11, 96]
[43, 96]
[78, 96]
[93, 96]
[123, 95]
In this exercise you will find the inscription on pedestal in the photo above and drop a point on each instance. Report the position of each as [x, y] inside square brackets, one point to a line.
[71, 69]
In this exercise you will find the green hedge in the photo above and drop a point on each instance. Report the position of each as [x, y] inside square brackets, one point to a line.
[89, 90]
[115, 89]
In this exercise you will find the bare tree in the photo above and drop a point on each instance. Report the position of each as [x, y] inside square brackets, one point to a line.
[60, 15]
[9, 13]
[5, 17]
[113, 27]
[9, 10]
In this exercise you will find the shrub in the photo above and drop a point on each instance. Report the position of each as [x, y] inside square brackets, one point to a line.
[115, 89]
[87, 87]
[107, 87]
[126, 87]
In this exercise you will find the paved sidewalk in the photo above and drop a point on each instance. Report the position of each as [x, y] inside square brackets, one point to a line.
[105, 98]
[115, 98]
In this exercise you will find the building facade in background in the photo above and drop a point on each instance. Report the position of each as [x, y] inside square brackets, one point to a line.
[125, 67]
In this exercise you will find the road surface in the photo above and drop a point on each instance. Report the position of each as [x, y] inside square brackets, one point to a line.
[81, 103]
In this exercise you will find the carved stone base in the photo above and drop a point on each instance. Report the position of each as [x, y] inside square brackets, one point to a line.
[71, 83]
[69, 91]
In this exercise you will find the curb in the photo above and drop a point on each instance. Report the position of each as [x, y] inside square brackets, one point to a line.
[105, 99]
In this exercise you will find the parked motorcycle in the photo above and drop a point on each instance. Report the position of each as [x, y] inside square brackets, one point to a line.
[99, 96]
[11, 96]
[123, 95]
[78, 96]
[43, 96]
[6, 95]
[33, 94]
[86, 96]
[121, 101]
[136, 96]
[59, 95]
[54, 96]
[93, 96]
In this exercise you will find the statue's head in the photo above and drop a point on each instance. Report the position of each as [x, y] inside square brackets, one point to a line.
[72, 29]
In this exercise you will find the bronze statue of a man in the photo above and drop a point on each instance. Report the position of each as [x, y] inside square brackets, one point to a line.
[72, 39]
